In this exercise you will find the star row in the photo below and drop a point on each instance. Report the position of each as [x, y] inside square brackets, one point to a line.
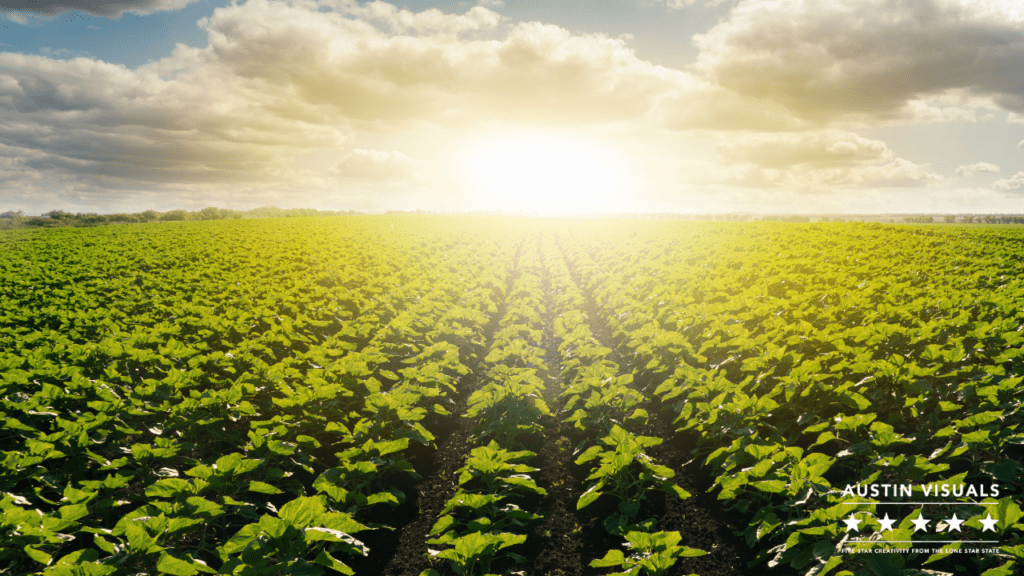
[920, 523]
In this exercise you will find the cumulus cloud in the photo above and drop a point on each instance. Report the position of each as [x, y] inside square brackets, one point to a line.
[107, 8]
[699, 105]
[278, 80]
[376, 165]
[1011, 183]
[110, 125]
[968, 170]
[827, 148]
[817, 160]
[431, 66]
[873, 60]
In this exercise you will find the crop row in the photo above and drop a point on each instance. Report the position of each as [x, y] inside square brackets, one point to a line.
[599, 403]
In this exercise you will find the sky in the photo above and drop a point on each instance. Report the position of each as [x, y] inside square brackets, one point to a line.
[692, 106]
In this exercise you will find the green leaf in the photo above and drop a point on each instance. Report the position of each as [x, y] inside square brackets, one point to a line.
[241, 539]
[612, 558]
[442, 524]
[1004, 570]
[770, 485]
[391, 446]
[302, 512]
[226, 464]
[588, 455]
[204, 506]
[263, 488]
[325, 559]
[824, 437]
[103, 544]
[178, 567]
[38, 555]
[74, 512]
[139, 540]
[588, 498]
[169, 488]
[281, 447]
[1008, 513]
[79, 557]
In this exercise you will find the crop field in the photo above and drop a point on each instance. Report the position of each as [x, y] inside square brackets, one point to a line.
[438, 395]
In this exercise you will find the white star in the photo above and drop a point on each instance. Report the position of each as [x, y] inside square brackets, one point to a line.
[886, 523]
[852, 523]
[920, 523]
[989, 523]
[954, 523]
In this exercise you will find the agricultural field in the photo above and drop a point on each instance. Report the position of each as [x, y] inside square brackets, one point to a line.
[407, 395]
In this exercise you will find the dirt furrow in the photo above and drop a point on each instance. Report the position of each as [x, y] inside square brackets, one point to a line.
[698, 519]
[404, 551]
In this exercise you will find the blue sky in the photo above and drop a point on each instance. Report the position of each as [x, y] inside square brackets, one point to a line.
[764, 106]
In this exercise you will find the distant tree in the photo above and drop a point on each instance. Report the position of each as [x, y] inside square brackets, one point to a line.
[92, 218]
[267, 212]
[949, 219]
[174, 216]
[210, 213]
[968, 220]
[149, 215]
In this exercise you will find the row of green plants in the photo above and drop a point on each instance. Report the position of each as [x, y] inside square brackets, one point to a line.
[129, 374]
[799, 366]
[490, 514]
[602, 405]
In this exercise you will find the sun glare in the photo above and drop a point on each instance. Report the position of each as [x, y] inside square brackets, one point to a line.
[546, 172]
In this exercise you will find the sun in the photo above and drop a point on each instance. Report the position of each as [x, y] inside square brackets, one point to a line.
[545, 172]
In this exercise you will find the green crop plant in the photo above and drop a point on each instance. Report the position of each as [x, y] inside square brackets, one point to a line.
[488, 481]
[473, 553]
[626, 472]
[509, 406]
[651, 554]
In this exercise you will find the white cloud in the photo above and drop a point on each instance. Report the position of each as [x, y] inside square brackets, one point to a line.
[825, 148]
[867, 60]
[968, 170]
[116, 126]
[278, 81]
[435, 68]
[107, 8]
[376, 165]
[816, 161]
[1011, 183]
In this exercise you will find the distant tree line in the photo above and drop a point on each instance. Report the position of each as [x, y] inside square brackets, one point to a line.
[950, 219]
[56, 218]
